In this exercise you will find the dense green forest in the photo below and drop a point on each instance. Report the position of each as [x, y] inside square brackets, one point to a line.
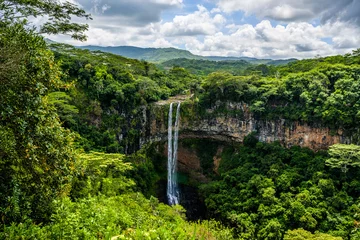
[72, 166]
[204, 67]
[263, 190]
[113, 89]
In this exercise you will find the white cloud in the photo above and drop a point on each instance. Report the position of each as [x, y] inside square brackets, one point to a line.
[162, 43]
[198, 23]
[299, 40]
[283, 10]
[297, 10]
[344, 36]
[127, 13]
[286, 12]
[169, 2]
[215, 10]
[104, 8]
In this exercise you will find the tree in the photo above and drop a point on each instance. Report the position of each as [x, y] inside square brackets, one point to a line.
[342, 156]
[36, 153]
[356, 52]
[301, 234]
[65, 110]
[101, 173]
[59, 16]
[272, 230]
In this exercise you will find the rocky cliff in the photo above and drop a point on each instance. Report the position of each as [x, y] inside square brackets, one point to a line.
[234, 124]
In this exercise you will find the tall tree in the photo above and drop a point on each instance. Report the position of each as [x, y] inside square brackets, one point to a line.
[36, 159]
[36, 154]
[343, 156]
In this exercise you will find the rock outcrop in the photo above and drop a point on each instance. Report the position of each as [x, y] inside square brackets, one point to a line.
[189, 163]
[234, 127]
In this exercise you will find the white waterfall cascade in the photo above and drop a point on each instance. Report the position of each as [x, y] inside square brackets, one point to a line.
[172, 190]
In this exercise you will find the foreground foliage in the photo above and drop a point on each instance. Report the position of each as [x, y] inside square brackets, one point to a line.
[301, 234]
[128, 216]
[344, 156]
[107, 208]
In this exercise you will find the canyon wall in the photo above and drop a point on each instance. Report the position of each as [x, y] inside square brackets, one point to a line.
[235, 124]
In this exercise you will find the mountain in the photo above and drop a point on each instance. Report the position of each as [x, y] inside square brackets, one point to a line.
[248, 59]
[282, 61]
[159, 55]
[148, 54]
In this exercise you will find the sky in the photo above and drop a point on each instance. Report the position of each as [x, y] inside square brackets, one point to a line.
[274, 29]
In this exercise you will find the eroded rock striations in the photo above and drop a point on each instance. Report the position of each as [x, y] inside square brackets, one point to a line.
[234, 127]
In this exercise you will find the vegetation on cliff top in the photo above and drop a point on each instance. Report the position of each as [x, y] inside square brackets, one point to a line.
[324, 90]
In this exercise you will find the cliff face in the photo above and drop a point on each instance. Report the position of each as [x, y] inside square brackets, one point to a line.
[234, 127]
[189, 162]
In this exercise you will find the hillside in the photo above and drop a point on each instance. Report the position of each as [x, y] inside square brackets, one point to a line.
[159, 55]
[204, 67]
[253, 60]
[148, 54]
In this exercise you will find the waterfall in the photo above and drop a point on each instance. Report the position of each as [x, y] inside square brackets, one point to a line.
[169, 190]
[172, 186]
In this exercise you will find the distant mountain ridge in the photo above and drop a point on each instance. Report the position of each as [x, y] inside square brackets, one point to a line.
[252, 60]
[148, 54]
[159, 55]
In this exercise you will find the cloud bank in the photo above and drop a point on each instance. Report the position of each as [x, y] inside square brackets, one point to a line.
[297, 10]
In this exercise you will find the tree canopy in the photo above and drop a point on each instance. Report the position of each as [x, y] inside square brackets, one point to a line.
[58, 16]
[343, 156]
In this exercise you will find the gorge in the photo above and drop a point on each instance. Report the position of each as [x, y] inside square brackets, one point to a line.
[203, 138]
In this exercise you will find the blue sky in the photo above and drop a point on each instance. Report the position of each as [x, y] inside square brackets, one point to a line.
[253, 28]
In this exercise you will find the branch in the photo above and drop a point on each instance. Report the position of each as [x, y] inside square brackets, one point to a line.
[59, 16]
